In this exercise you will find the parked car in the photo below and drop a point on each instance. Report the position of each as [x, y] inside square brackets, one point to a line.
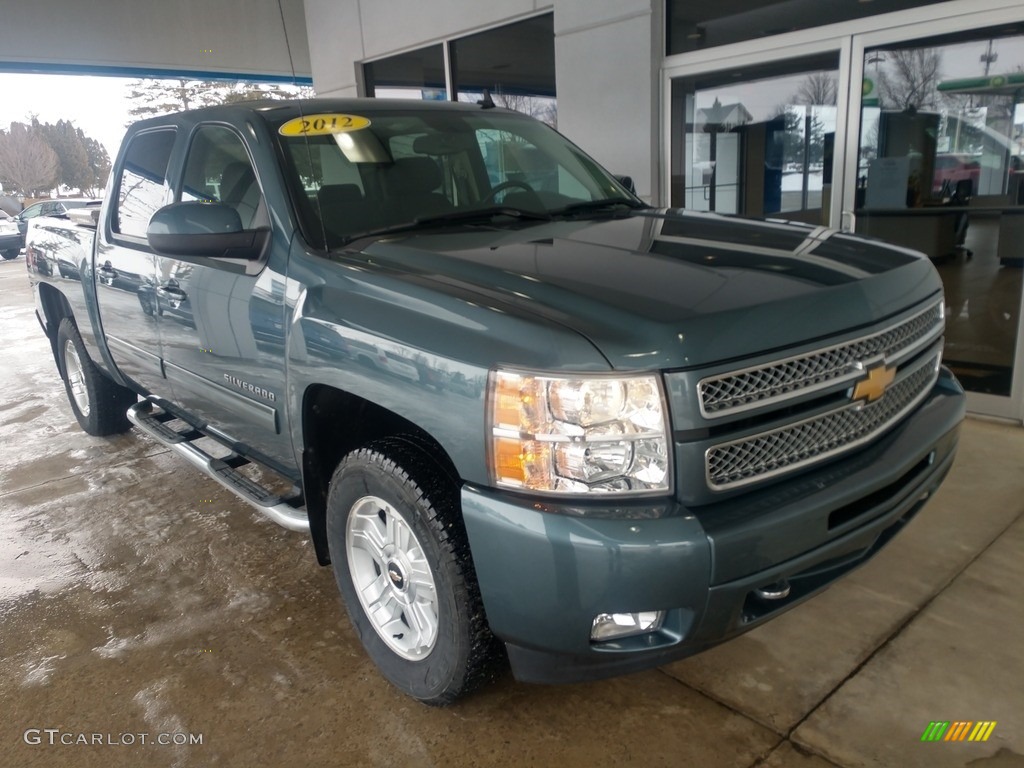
[11, 247]
[11, 240]
[951, 169]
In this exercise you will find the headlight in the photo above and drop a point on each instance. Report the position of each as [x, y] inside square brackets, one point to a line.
[585, 434]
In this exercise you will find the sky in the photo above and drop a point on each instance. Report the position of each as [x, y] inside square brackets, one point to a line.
[97, 105]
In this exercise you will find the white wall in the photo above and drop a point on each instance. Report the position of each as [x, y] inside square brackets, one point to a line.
[607, 57]
[229, 36]
[343, 33]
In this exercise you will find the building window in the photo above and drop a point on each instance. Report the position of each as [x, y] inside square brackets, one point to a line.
[940, 169]
[414, 75]
[514, 63]
[694, 26]
[757, 141]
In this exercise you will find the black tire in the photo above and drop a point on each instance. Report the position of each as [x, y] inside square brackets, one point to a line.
[9, 255]
[98, 403]
[392, 477]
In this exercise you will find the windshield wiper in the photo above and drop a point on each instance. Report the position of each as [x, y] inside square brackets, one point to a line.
[600, 205]
[483, 214]
[453, 217]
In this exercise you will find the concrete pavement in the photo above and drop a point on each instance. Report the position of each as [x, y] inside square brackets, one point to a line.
[137, 597]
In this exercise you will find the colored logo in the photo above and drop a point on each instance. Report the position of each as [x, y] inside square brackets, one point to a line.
[958, 730]
[874, 386]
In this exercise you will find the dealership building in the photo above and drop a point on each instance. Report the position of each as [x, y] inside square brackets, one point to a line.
[900, 119]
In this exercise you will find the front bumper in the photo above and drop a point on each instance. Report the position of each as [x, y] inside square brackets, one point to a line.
[547, 569]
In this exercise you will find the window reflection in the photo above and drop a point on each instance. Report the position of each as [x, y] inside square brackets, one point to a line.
[413, 75]
[141, 190]
[757, 142]
[939, 170]
[514, 63]
[692, 26]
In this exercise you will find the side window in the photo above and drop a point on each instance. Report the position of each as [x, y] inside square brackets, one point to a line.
[32, 211]
[141, 186]
[218, 170]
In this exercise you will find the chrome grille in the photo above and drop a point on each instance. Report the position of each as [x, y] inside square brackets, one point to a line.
[763, 385]
[758, 457]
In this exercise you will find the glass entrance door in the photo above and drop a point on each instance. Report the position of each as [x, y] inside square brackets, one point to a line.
[757, 140]
[905, 126]
[940, 169]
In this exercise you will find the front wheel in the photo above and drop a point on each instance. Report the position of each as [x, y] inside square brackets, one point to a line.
[402, 563]
[98, 403]
[8, 255]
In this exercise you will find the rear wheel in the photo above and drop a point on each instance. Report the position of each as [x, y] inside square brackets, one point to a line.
[402, 563]
[98, 403]
[10, 255]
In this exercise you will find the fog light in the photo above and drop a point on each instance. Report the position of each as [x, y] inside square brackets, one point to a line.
[612, 626]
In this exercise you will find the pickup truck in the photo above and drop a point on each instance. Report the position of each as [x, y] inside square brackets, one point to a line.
[522, 414]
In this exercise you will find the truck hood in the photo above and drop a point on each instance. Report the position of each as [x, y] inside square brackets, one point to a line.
[671, 289]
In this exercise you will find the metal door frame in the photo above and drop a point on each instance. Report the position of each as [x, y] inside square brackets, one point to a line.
[850, 40]
[1011, 407]
[807, 44]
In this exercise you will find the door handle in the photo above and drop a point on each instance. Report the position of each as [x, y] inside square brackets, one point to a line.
[172, 295]
[170, 292]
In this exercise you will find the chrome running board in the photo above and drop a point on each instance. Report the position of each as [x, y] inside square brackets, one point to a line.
[149, 416]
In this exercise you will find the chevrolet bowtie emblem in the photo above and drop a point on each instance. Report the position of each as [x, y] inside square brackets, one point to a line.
[874, 386]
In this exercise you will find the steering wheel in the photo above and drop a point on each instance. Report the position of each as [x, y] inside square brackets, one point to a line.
[510, 184]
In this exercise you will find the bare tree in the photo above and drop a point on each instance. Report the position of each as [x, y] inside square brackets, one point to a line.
[72, 158]
[543, 108]
[817, 89]
[910, 79]
[151, 98]
[28, 165]
[99, 162]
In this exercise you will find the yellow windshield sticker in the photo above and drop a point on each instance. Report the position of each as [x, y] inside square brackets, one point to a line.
[320, 125]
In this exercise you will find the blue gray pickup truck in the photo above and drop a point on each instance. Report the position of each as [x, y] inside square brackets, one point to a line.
[522, 414]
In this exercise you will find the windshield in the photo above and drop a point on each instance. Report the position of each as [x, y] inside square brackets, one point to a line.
[355, 174]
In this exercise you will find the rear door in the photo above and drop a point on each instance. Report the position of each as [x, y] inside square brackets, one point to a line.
[223, 329]
[125, 265]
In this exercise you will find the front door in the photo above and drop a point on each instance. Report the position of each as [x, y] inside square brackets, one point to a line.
[940, 168]
[222, 329]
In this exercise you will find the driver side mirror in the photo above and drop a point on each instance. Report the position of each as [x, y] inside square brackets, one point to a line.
[627, 182]
[210, 230]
